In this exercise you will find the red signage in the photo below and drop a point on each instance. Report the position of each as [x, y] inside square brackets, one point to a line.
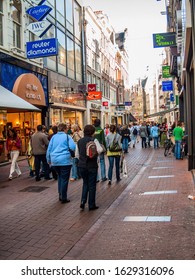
[91, 87]
[94, 95]
[105, 103]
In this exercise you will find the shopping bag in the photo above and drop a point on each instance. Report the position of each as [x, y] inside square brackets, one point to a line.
[124, 168]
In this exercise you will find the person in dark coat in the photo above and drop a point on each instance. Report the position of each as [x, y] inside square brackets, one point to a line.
[88, 168]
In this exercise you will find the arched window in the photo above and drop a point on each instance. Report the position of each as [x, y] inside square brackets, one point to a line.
[16, 16]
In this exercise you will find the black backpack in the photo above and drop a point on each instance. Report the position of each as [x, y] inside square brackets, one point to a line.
[135, 131]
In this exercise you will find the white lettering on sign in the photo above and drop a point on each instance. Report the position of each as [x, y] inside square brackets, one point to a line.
[33, 96]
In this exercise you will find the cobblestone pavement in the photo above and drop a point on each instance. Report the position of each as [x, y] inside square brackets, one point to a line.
[35, 225]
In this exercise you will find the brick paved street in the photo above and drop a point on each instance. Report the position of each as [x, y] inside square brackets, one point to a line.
[35, 225]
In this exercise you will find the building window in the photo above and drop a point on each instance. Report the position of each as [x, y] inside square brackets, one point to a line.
[1, 22]
[60, 11]
[88, 77]
[98, 85]
[70, 58]
[77, 21]
[78, 58]
[69, 15]
[50, 61]
[61, 52]
[16, 16]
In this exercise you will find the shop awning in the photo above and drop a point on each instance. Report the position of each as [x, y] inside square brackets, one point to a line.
[132, 118]
[162, 113]
[12, 103]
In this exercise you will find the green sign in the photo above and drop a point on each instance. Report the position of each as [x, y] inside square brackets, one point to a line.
[162, 40]
[166, 72]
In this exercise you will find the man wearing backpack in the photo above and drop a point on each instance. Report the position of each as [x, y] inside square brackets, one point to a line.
[134, 133]
[88, 168]
[99, 135]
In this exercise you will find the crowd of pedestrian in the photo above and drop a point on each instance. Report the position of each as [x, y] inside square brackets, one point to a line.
[60, 153]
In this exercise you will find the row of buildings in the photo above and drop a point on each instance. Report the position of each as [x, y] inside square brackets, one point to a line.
[60, 87]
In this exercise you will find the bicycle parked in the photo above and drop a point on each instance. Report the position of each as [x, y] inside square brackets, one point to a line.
[169, 147]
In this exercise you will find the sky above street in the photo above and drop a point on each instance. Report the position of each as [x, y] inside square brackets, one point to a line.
[142, 18]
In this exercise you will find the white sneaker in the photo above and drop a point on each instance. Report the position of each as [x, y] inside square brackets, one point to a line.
[10, 177]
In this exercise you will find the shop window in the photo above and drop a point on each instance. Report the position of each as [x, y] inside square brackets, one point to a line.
[16, 16]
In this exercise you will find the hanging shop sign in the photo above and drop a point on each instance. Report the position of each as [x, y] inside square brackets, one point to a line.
[39, 28]
[94, 95]
[42, 48]
[91, 87]
[172, 97]
[38, 13]
[161, 40]
[166, 71]
[167, 85]
[105, 103]
[37, 2]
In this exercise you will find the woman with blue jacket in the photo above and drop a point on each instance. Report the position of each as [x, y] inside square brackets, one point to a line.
[58, 155]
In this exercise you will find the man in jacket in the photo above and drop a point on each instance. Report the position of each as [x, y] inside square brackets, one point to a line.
[99, 135]
[39, 142]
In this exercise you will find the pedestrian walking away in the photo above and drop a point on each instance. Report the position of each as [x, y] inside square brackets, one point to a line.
[113, 139]
[39, 143]
[88, 168]
[59, 157]
[100, 136]
[125, 133]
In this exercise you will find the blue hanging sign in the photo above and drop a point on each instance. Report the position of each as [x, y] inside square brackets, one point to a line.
[167, 85]
[42, 48]
[172, 97]
[38, 2]
[39, 12]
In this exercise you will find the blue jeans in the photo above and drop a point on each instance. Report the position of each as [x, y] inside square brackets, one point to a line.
[75, 172]
[178, 149]
[41, 159]
[144, 145]
[63, 179]
[111, 165]
[125, 144]
[102, 167]
[155, 142]
[89, 186]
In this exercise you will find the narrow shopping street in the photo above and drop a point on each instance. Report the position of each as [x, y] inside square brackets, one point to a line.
[145, 216]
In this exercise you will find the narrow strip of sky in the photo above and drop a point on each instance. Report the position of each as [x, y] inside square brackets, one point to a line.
[142, 18]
